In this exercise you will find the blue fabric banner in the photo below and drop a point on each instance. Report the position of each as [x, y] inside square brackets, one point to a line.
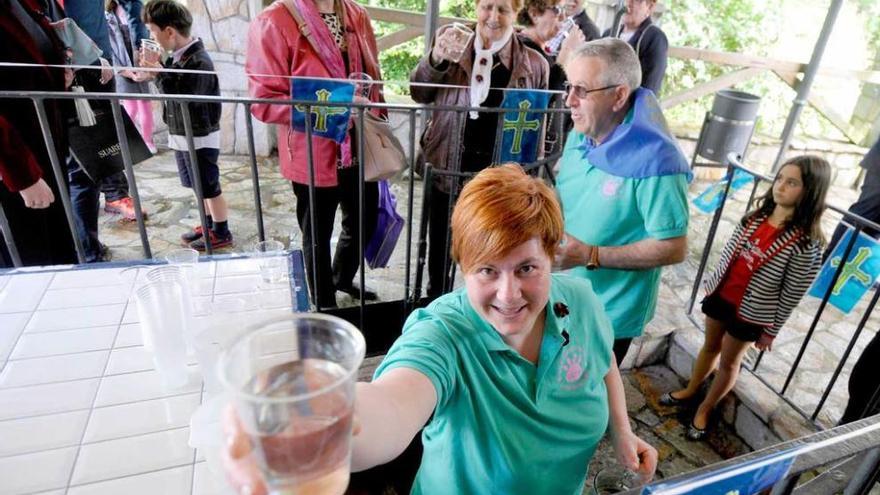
[710, 200]
[330, 122]
[748, 478]
[641, 146]
[521, 129]
[858, 275]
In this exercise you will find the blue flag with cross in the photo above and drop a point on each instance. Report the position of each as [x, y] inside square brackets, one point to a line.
[330, 122]
[709, 200]
[521, 129]
[858, 275]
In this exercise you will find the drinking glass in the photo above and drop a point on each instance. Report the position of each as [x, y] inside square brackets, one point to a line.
[292, 381]
[459, 36]
[272, 261]
[363, 82]
[163, 315]
[615, 479]
[150, 50]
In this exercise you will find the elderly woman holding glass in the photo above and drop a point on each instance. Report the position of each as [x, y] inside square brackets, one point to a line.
[468, 71]
[511, 378]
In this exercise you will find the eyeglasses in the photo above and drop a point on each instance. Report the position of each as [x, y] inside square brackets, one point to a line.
[581, 91]
[556, 9]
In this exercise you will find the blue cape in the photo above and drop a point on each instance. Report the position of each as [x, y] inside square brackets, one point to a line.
[641, 146]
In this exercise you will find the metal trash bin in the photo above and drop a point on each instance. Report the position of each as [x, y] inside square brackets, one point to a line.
[728, 126]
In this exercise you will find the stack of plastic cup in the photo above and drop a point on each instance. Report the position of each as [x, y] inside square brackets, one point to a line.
[163, 317]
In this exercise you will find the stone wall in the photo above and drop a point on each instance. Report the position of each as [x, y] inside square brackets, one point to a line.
[866, 114]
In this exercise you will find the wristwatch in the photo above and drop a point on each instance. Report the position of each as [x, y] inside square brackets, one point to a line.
[593, 264]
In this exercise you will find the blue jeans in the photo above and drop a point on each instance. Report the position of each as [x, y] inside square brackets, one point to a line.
[84, 194]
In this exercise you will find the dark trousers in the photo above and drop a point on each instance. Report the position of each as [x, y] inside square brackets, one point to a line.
[41, 236]
[114, 187]
[621, 347]
[867, 206]
[347, 258]
[439, 262]
[84, 198]
[864, 384]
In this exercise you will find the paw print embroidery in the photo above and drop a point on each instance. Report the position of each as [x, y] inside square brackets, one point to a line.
[610, 187]
[573, 369]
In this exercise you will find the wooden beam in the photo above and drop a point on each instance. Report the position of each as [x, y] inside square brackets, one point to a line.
[785, 66]
[722, 82]
[406, 17]
[823, 107]
[398, 37]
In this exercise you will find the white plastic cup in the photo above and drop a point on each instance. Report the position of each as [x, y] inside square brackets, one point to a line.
[272, 261]
[163, 317]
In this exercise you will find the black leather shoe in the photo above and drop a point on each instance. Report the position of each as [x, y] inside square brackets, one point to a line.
[669, 401]
[354, 291]
[695, 434]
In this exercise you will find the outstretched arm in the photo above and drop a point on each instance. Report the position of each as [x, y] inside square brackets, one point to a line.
[632, 452]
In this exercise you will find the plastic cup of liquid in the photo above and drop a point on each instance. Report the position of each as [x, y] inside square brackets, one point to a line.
[292, 381]
[615, 479]
[363, 82]
[150, 50]
[460, 36]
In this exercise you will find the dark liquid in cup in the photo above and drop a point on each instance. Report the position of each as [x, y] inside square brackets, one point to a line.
[304, 446]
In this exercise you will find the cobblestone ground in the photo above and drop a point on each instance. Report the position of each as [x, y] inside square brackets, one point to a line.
[664, 428]
[172, 211]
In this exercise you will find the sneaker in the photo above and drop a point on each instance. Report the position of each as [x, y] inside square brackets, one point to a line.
[217, 242]
[124, 207]
[194, 234]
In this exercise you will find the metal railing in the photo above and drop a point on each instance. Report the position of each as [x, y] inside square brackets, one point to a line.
[843, 459]
[412, 294]
[859, 224]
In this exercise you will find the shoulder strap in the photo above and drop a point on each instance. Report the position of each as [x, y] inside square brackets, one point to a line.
[301, 24]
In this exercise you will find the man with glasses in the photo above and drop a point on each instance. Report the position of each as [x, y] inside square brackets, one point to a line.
[623, 183]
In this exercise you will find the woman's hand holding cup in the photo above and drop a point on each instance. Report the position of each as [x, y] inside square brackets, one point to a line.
[451, 43]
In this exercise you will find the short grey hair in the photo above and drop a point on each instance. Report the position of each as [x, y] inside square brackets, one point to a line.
[621, 63]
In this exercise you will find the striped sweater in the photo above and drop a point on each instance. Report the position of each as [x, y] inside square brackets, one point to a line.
[777, 286]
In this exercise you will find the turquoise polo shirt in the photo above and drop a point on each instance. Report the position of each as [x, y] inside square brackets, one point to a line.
[501, 423]
[606, 210]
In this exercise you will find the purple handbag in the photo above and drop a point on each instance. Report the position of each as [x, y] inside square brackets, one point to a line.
[388, 227]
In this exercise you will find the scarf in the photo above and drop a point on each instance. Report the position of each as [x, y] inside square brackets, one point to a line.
[641, 146]
[330, 54]
[481, 75]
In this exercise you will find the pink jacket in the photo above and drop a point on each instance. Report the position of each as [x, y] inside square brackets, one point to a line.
[275, 46]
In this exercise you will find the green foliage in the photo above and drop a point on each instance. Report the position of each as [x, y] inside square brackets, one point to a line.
[739, 26]
[869, 10]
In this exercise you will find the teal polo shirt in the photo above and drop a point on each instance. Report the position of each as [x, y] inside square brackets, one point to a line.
[503, 424]
[606, 210]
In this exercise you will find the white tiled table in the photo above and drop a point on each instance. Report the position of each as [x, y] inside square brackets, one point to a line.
[82, 411]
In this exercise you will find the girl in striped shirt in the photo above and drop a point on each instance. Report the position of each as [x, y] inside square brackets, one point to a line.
[765, 268]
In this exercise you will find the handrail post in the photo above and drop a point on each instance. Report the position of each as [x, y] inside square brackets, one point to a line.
[60, 177]
[129, 175]
[255, 173]
[196, 175]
